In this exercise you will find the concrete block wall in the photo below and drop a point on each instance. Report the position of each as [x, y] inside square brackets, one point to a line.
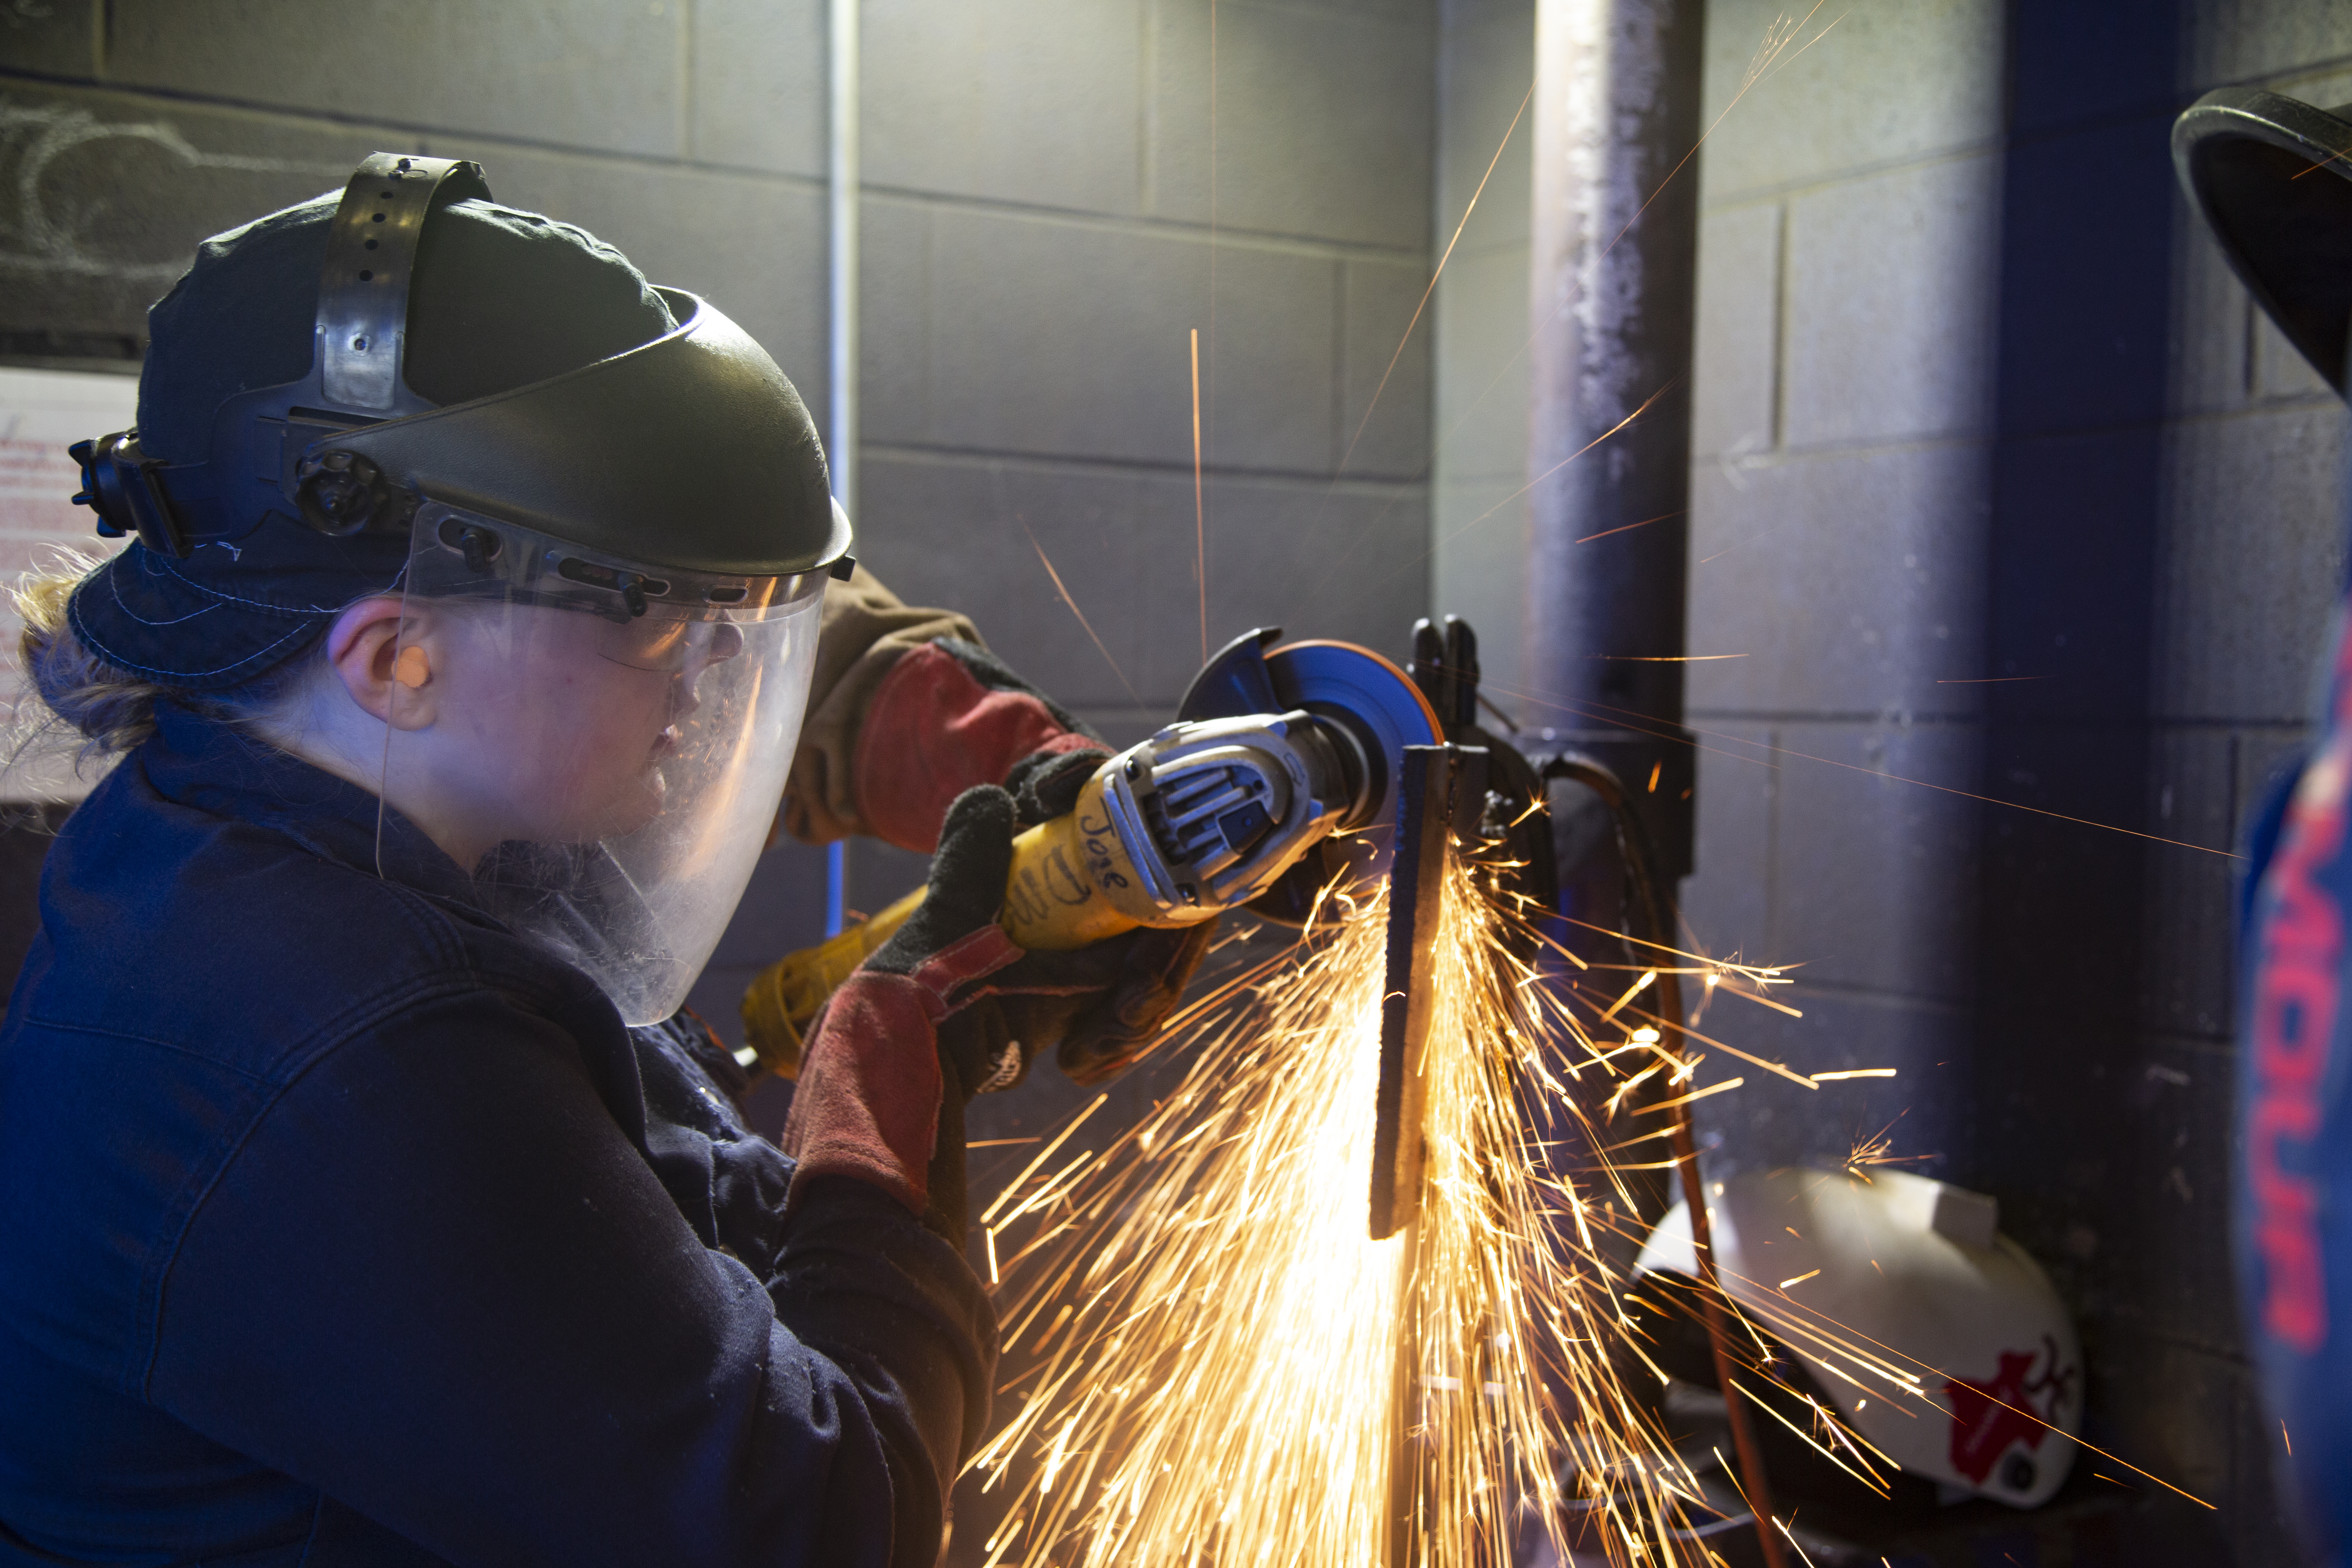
[2003, 496]
[1478, 413]
[1844, 429]
[1978, 402]
[1051, 213]
[1032, 280]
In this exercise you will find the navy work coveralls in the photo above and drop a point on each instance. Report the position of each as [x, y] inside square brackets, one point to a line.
[338, 1226]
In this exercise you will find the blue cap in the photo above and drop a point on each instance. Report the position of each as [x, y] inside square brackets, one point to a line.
[500, 298]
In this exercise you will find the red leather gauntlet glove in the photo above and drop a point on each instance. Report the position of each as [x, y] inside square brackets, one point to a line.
[950, 715]
[1097, 1009]
[877, 1100]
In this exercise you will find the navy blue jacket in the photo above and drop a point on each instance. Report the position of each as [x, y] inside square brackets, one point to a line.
[338, 1226]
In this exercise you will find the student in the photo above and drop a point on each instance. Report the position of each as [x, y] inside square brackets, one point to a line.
[370, 1201]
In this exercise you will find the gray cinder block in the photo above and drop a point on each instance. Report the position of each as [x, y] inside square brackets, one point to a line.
[1023, 100]
[2212, 315]
[759, 85]
[1769, 1122]
[894, 315]
[1891, 298]
[1349, 561]
[2191, 910]
[968, 532]
[1071, 339]
[1478, 571]
[1726, 904]
[583, 73]
[2252, 554]
[1388, 438]
[1323, 120]
[1852, 582]
[754, 246]
[2280, 371]
[1736, 364]
[106, 196]
[1486, 65]
[59, 36]
[1875, 874]
[1884, 84]
[2265, 38]
[1479, 423]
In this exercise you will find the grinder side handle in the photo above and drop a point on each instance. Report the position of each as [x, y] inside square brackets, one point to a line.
[1051, 904]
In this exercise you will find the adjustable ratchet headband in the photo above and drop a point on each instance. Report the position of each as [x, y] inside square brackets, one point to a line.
[691, 453]
[355, 378]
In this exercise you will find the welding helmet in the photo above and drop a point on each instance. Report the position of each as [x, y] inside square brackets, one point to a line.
[1940, 1345]
[607, 581]
[2271, 176]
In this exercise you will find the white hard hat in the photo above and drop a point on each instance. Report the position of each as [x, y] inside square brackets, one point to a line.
[1943, 1344]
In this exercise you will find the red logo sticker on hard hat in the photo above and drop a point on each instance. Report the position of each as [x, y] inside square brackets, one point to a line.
[1987, 1417]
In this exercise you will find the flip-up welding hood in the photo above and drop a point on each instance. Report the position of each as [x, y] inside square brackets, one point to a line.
[2273, 177]
[692, 451]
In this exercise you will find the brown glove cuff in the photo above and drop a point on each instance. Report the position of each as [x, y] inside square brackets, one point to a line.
[867, 1102]
[933, 730]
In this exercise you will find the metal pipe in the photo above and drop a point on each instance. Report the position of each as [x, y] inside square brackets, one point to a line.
[840, 431]
[841, 427]
[1612, 277]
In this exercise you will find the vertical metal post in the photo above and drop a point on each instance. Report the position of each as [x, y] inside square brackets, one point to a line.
[841, 431]
[1612, 276]
[841, 427]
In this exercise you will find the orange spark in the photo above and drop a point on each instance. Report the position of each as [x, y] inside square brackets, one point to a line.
[1063, 589]
[1439, 271]
[1200, 508]
[1628, 527]
[1631, 719]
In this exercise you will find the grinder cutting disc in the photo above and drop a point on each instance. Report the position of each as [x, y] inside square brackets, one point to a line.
[1357, 691]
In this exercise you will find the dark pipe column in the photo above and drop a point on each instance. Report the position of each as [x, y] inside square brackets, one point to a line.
[1616, 110]
[1613, 275]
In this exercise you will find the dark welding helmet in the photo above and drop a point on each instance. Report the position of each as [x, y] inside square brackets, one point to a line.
[2273, 177]
[607, 581]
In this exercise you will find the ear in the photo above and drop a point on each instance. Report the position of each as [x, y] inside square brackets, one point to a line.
[366, 644]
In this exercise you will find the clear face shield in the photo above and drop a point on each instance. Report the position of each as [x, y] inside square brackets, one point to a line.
[600, 745]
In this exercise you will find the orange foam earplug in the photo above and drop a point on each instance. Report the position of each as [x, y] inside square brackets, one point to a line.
[412, 668]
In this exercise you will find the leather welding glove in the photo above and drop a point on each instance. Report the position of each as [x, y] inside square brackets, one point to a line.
[1097, 1009]
[885, 1076]
[950, 715]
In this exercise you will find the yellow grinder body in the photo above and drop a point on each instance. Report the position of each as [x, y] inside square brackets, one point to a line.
[1205, 815]
[1063, 894]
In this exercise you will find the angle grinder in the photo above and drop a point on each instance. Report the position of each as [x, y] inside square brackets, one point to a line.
[1280, 778]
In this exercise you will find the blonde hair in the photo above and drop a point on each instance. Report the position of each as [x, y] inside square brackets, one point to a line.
[110, 707]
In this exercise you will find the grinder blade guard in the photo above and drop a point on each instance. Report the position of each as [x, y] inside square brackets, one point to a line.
[1372, 710]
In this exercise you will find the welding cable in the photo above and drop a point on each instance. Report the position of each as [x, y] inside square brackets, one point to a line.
[1653, 909]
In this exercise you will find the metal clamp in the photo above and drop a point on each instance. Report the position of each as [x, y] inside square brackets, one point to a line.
[125, 487]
